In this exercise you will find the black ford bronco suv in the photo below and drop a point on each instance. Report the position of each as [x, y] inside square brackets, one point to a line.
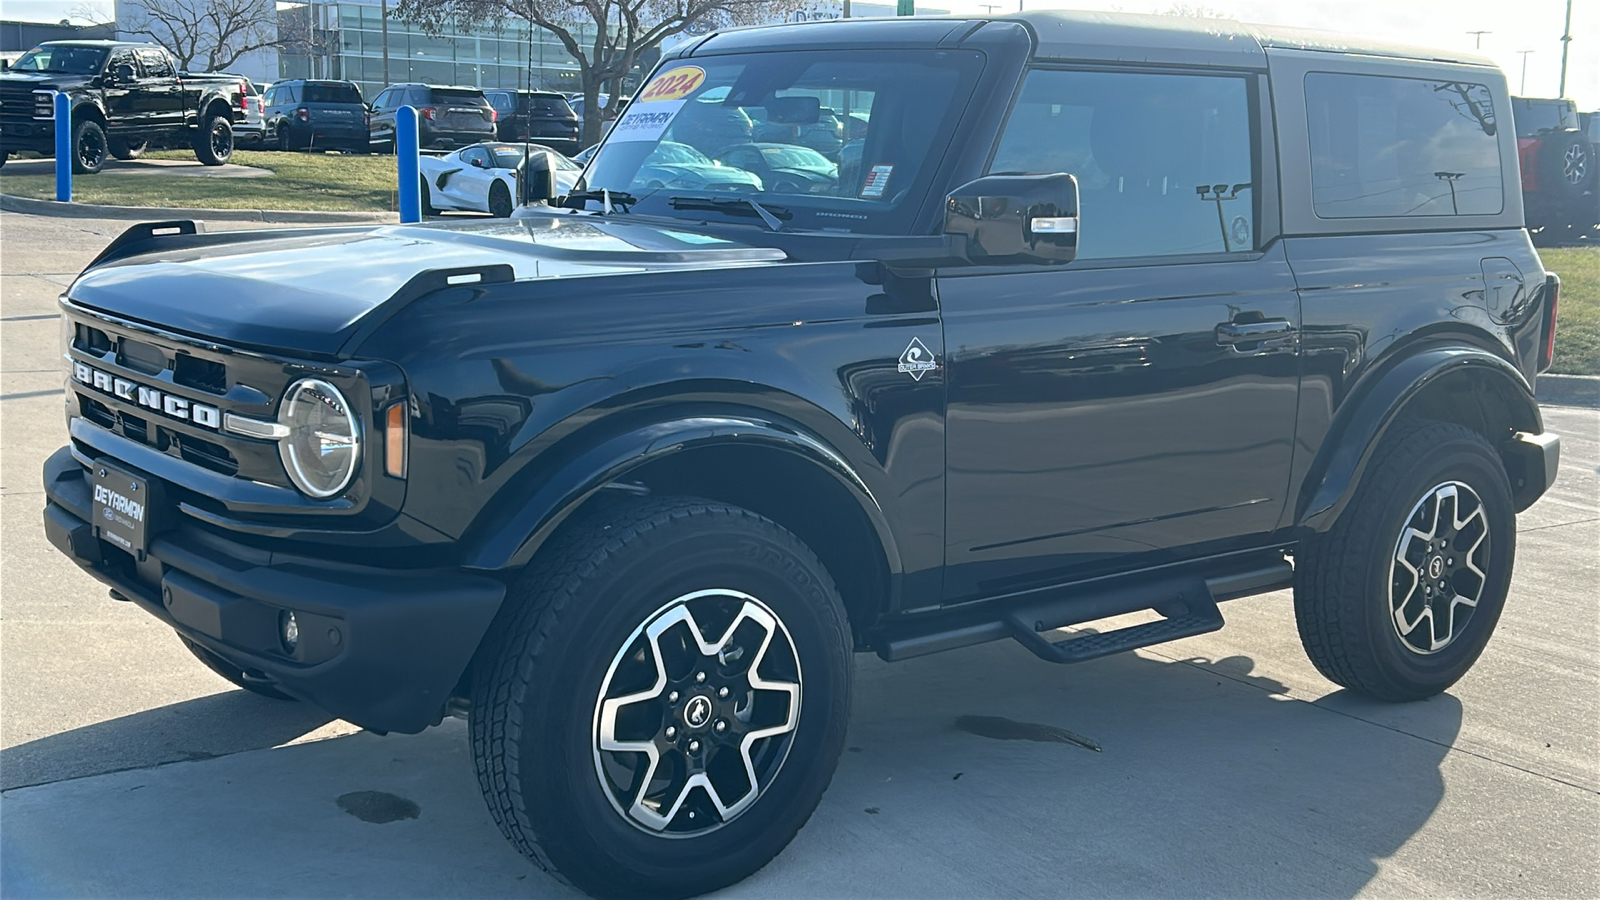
[124, 97]
[1093, 314]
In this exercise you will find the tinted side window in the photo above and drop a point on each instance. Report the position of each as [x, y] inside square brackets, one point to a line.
[155, 64]
[384, 100]
[1384, 146]
[123, 58]
[1164, 162]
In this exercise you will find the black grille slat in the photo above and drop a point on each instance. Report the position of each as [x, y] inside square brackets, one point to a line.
[200, 374]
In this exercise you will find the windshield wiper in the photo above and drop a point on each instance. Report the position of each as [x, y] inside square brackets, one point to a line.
[773, 216]
[606, 197]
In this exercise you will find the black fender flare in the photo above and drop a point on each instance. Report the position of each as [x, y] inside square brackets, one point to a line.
[88, 105]
[1359, 428]
[518, 534]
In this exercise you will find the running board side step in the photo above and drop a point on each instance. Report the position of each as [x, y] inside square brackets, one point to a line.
[1187, 601]
[1196, 613]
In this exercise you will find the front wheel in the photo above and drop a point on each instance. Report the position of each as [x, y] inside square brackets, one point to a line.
[1399, 597]
[500, 201]
[213, 146]
[89, 149]
[665, 700]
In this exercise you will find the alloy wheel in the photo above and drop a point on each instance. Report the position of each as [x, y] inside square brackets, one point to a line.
[221, 139]
[91, 151]
[1439, 568]
[1575, 164]
[697, 713]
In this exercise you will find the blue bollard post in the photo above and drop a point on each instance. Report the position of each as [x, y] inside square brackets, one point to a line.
[63, 147]
[406, 154]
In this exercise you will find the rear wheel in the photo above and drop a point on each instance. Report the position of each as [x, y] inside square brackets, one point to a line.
[213, 146]
[427, 200]
[89, 149]
[283, 139]
[1398, 599]
[665, 699]
[235, 675]
[499, 200]
[126, 148]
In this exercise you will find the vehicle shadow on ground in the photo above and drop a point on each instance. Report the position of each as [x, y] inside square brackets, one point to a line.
[957, 782]
[202, 728]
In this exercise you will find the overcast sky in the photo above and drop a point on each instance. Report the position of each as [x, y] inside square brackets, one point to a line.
[1513, 25]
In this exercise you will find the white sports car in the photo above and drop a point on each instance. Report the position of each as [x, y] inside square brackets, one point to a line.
[483, 177]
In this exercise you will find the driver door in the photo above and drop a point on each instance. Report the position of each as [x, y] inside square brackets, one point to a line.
[469, 188]
[119, 93]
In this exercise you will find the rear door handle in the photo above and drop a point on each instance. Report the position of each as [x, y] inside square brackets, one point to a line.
[1250, 332]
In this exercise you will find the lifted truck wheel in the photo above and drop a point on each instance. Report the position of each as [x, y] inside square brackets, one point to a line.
[1398, 599]
[664, 700]
[213, 145]
[88, 147]
[232, 673]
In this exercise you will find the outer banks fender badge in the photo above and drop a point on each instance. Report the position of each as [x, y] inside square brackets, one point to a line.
[917, 360]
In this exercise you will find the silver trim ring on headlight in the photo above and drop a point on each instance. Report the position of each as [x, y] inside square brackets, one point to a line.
[331, 397]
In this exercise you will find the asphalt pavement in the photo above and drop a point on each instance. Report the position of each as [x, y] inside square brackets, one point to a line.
[1227, 766]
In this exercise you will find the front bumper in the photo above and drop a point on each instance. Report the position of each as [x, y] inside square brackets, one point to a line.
[37, 135]
[382, 648]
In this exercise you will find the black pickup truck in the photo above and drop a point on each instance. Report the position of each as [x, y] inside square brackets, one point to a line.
[125, 97]
[1098, 314]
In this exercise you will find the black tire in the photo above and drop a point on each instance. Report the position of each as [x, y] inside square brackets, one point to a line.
[579, 615]
[126, 149]
[1345, 578]
[500, 205]
[213, 145]
[234, 675]
[427, 200]
[89, 149]
[284, 143]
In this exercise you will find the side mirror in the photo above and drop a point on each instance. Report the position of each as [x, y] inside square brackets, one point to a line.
[1011, 219]
[123, 74]
[538, 178]
[477, 163]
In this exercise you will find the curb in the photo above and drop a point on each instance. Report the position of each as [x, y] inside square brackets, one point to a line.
[1569, 390]
[12, 203]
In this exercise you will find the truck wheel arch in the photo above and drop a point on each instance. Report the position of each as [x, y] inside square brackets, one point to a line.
[1460, 384]
[772, 468]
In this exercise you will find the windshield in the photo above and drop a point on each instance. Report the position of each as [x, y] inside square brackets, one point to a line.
[62, 58]
[771, 127]
[511, 158]
[331, 93]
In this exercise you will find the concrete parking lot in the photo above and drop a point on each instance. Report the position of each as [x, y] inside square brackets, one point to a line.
[1227, 766]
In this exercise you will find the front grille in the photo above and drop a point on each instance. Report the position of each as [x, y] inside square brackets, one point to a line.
[23, 103]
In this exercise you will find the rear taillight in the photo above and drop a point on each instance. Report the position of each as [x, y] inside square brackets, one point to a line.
[302, 114]
[494, 115]
[244, 98]
[427, 112]
[1552, 292]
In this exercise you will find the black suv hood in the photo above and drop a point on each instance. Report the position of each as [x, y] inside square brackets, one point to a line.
[45, 81]
[307, 291]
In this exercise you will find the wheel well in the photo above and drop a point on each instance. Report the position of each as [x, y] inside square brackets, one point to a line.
[217, 107]
[1478, 399]
[798, 495]
[90, 112]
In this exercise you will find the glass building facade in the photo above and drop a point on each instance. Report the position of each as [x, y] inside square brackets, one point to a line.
[346, 41]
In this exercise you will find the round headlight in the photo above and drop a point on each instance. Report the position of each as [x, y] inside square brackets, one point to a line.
[324, 441]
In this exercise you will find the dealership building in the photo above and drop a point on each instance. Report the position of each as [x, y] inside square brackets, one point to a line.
[346, 40]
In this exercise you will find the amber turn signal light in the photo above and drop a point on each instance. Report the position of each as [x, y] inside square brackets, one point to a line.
[394, 440]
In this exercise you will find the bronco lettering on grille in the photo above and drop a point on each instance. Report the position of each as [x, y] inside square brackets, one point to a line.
[150, 398]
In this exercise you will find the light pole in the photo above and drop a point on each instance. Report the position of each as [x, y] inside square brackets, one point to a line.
[1477, 43]
[1566, 42]
[384, 18]
[1524, 89]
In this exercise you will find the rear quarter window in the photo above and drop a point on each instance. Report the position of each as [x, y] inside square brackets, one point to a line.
[1384, 146]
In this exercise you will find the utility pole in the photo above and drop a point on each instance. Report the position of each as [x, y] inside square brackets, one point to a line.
[384, 18]
[989, 7]
[1566, 42]
[1477, 44]
[1524, 89]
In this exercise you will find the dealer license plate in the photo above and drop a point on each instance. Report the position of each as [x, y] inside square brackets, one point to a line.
[122, 509]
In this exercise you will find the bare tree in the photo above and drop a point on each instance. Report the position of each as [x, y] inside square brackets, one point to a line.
[213, 34]
[605, 37]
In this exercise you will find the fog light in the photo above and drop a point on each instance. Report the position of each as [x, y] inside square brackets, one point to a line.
[290, 629]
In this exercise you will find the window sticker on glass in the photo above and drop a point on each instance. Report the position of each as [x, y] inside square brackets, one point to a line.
[877, 181]
[647, 118]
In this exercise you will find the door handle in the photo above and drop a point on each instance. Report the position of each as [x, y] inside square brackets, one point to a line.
[1250, 332]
